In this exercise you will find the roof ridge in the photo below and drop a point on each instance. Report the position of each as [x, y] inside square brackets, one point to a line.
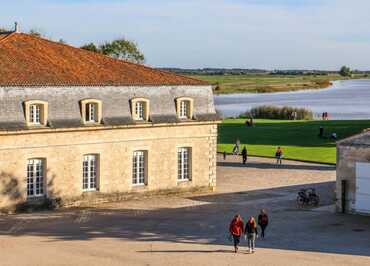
[9, 34]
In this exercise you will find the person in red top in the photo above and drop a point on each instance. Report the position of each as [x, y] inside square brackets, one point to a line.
[236, 229]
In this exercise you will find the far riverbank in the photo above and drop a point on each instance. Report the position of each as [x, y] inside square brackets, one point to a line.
[268, 83]
[344, 100]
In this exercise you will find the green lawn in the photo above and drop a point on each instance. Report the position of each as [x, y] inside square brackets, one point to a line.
[260, 83]
[299, 139]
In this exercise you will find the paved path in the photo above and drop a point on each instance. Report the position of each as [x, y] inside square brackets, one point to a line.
[191, 229]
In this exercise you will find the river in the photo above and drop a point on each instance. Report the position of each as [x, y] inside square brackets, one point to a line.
[345, 99]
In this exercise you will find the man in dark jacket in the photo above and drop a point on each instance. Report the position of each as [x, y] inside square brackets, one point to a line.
[244, 154]
[263, 221]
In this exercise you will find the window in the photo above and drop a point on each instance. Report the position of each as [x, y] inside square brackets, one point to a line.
[90, 168]
[35, 178]
[138, 168]
[184, 109]
[140, 109]
[91, 110]
[183, 160]
[36, 113]
[184, 106]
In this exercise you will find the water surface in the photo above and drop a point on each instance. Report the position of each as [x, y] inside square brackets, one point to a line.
[345, 99]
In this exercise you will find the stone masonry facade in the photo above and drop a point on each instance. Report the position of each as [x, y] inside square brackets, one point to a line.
[63, 151]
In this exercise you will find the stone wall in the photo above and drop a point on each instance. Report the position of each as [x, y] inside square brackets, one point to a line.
[347, 156]
[63, 151]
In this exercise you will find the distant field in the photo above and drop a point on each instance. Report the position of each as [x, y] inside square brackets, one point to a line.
[299, 139]
[261, 83]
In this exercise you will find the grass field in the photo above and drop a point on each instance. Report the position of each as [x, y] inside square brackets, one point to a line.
[299, 139]
[266, 83]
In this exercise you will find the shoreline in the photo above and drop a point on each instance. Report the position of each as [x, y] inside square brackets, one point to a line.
[262, 84]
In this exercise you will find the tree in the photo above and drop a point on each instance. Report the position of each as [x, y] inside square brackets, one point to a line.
[119, 49]
[345, 71]
[35, 33]
[91, 47]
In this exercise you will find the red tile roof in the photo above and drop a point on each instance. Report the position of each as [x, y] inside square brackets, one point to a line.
[26, 60]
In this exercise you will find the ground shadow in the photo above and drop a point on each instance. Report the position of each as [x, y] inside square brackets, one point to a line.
[261, 165]
[207, 223]
[289, 133]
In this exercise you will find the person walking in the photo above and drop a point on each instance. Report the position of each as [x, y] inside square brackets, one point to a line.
[236, 229]
[263, 221]
[236, 149]
[251, 233]
[279, 155]
[244, 154]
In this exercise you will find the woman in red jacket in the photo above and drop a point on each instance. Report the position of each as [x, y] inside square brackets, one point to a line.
[236, 229]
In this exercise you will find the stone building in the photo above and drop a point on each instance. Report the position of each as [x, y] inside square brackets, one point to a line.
[353, 174]
[78, 126]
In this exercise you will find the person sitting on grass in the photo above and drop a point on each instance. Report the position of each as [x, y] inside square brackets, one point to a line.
[279, 155]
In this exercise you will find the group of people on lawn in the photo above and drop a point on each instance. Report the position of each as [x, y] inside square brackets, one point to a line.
[249, 230]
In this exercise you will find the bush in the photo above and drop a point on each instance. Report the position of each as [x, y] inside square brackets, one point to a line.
[282, 113]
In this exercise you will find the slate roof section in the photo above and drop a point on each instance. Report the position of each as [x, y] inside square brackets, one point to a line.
[64, 110]
[27, 60]
[361, 139]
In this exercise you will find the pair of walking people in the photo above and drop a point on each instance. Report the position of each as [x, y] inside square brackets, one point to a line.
[250, 231]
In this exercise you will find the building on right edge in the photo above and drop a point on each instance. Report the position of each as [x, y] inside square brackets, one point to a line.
[353, 174]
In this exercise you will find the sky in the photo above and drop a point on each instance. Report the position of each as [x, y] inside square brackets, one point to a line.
[266, 34]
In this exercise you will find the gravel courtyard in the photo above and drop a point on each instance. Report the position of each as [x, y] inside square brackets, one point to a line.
[192, 229]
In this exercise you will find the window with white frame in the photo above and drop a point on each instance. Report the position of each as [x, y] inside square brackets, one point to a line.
[35, 177]
[138, 168]
[35, 114]
[90, 172]
[183, 161]
[140, 110]
[184, 107]
[91, 112]
[184, 110]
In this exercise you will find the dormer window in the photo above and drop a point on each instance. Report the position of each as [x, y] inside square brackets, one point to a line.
[184, 108]
[91, 110]
[140, 109]
[36, 113]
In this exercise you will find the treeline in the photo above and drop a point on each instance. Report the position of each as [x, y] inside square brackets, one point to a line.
[242, 71]
[215, 71]
[281, 113]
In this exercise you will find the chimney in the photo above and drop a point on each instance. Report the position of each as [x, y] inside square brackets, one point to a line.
[16, 27]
